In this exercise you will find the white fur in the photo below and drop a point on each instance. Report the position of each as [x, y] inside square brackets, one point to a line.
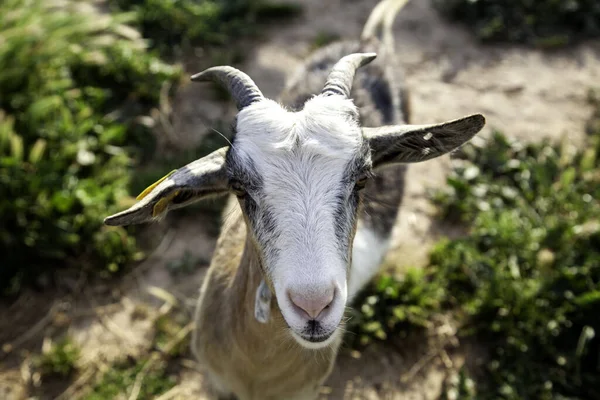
[367, 254]
[301, 158]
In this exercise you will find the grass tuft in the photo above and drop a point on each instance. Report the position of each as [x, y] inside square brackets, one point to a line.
[118, 381]
[59, 360]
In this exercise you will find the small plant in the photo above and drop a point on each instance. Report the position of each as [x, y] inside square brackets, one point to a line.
[156, 372]
[60, 359]
[119, 380]
[528, 274]
[391, 307]
[541, 23]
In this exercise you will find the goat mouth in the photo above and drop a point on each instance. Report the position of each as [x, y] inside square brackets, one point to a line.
[314, 341]
[316, 338]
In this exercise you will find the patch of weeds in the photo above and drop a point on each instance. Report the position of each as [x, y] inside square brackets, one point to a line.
[73, 83]
[323, 39]
[541, 23]
[59, 360]
[119, 380]
[158, 368]
[391, 307]
[528, 275]
[176, 24]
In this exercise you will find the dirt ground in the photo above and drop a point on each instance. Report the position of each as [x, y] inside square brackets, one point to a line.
[526, 93]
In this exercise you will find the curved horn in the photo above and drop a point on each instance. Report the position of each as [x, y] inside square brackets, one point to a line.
[241, 87]
[341, 76]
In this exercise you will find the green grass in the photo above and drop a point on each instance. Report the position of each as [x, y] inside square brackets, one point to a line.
[527, 277]
[525, 281]
[119, 380]
[540, 23]
[389, 307]
[159, 368]
[175, 25]
[73, 83]
[59, 360]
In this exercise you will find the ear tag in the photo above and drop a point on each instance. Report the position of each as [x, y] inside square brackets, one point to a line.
[155, 184]
[262, 304]
[162, 204]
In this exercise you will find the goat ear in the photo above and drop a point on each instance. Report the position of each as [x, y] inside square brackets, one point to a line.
[192, 182]
[417, 143]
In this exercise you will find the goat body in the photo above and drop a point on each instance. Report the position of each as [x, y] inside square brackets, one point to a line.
[261, 361]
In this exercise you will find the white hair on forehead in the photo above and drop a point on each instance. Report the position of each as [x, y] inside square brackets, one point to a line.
[326, 126]
[333, 122]
[264, 127]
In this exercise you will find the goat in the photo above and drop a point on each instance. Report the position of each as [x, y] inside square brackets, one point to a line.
[315, 182]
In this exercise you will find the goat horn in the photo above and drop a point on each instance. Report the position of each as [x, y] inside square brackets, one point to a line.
[341, 76]
[241, 87]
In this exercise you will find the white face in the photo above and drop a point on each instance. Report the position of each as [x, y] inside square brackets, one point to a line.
[297, 173]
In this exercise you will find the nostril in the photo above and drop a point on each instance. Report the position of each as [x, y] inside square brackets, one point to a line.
[312, 304]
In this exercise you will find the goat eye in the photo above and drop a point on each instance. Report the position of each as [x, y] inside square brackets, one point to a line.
[238, 189]
[361, 182]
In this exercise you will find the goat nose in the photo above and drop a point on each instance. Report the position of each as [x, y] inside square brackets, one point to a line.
[312, 304]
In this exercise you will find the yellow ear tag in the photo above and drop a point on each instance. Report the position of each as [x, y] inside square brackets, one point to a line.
[162, 204]
[155, 184]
